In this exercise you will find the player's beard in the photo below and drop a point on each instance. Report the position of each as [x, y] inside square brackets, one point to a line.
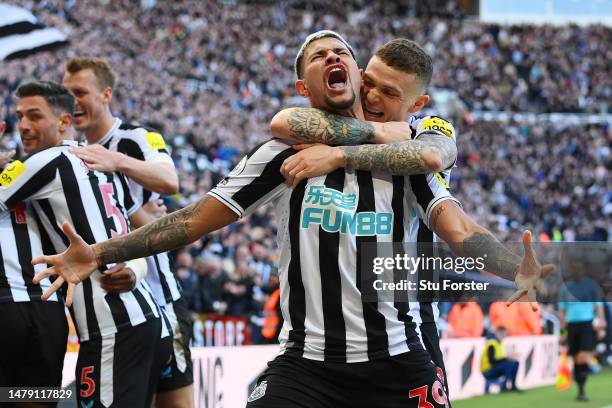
[340, 106]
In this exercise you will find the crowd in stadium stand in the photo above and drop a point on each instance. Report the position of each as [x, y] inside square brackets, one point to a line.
[211, 80]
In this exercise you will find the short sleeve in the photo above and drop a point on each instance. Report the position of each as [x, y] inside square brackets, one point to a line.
[429, 192]
[256, 180]
[34, 179]
[146, 145]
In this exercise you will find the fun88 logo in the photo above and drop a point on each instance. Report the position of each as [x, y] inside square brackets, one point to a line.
[335, 212]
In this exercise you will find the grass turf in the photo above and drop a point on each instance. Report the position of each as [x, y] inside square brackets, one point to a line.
[598, 390]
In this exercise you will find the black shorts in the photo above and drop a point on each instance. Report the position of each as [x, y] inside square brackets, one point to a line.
[122, 370]
[178, 373]
[406, 380]
[431, 339]
[581, 337]
[32, 343]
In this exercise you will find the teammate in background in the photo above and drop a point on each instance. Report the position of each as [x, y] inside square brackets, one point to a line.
[141, 155]
[494, 363]
[580, 308]
[328, 317]
[393, 91]
[121, 347]
[34, 336]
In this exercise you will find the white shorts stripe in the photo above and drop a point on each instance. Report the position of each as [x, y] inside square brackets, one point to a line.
[107, 355]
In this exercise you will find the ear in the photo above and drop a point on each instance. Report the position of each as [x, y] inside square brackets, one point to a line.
[65, 122]
[107, 95]
[300, 87]
[420, 103]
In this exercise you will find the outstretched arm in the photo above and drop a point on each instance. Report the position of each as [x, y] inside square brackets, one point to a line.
[467, 238]
[172, 231]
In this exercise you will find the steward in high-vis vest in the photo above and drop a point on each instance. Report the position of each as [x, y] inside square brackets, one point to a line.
[495, 365]
[271, 322]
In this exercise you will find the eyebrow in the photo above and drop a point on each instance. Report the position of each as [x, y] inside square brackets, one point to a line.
[383, 85]
[319, 51]
[31, 110]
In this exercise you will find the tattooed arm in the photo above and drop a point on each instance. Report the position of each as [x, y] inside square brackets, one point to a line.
[172, 231]
[312, 125]
[469, 239]
[425, 155]
[405, 158]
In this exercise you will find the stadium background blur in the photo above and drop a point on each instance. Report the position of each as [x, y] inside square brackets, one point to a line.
[210, 77]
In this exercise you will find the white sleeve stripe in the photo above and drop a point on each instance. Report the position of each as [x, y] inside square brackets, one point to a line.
[3, 206]
[225, 199]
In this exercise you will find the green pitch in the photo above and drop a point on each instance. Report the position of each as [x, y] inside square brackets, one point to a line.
[598, 388]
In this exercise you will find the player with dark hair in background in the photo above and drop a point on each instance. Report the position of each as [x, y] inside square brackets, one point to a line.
[123, 341]
[26, 359]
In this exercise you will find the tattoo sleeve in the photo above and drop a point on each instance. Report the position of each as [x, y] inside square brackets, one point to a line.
[167, 233]
[404, 158]
[314, 125]
[498, 259]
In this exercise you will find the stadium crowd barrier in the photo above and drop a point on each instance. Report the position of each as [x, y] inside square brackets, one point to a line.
[223, 376]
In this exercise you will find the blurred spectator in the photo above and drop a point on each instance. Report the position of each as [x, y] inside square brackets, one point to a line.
[466, 320]
[238, 291]
[188, 280]
[212, 284]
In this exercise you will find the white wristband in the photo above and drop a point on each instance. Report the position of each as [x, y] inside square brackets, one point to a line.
[139, 267]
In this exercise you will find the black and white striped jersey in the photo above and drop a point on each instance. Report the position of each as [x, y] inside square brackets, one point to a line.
[324, 224]
[20, 241]
[143, 144]
[60, 188]
[424, 309]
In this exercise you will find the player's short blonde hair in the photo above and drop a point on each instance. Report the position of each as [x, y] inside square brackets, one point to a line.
[314, 37]
[105, 75]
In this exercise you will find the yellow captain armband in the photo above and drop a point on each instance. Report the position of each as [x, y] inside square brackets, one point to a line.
[436, 123]
[442, 181]
[12, 173]
[155, 140]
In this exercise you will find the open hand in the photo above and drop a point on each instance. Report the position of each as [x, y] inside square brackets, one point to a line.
[73, 265]
[530, 274]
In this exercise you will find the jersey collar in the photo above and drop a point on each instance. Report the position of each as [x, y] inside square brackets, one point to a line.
[110, 132]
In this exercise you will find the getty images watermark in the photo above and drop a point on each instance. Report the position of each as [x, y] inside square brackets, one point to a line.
[411, 265]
